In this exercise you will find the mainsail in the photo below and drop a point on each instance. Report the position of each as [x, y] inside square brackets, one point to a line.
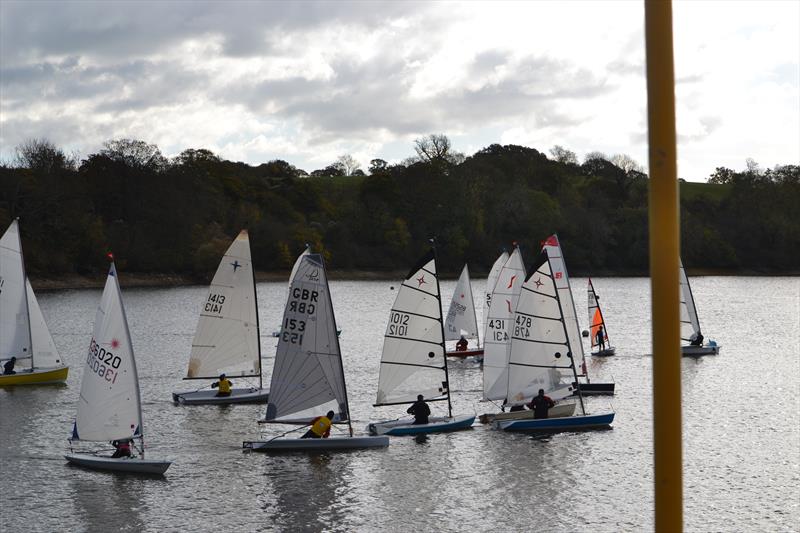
[109, 405]
[45, 352]
[413, 360]
[491, 281]
[15, 330]
[308, 378]
[540, 342]
[498, 327]
[595, 318]
[561, 278]
[690, 323]
[461, 319]
[227, 339]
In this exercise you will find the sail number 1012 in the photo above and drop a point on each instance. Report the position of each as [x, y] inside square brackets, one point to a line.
[398, 324]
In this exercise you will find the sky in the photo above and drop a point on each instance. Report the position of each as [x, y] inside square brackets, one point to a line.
[309, 81]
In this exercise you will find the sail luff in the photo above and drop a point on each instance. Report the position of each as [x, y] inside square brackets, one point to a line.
[27, 305]
[338, 348]
[441, 326]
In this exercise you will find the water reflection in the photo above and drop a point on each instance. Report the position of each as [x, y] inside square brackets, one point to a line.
[107, 501]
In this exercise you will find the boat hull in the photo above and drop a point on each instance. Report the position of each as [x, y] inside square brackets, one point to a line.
[561, 409]
[595, 389]
[209, 397]
[315, 445]
[605, 352]
[37, 376]
[463, 354]
[569, 423]
[405, 426]
[121, 464]
[694, 351]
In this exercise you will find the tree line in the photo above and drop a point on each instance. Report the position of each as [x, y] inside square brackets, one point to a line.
[178, 215]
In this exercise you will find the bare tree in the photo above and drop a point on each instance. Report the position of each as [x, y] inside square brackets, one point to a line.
[626, 163]
[562, 155]
[753, 168]
[42, 155]
[592, 156]
[433, 147]
[347, 164]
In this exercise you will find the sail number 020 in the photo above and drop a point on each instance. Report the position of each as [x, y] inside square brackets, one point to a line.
[398, 324]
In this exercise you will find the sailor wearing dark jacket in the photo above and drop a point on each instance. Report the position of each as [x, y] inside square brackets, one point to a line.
[420, 410]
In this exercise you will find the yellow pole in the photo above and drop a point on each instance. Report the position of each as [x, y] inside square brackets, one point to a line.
[664, 251]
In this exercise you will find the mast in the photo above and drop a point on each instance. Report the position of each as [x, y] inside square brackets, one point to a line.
[258, 330]
[472, 303]
[574, 313]
[441, 325]
[25, 291]
[338, 347]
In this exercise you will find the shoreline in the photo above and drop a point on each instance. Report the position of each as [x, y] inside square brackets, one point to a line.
[144, 280]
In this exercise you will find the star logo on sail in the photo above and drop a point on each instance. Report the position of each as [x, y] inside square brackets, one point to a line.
[235, 265]
[538, 282]
[114, 343]
[421, 280]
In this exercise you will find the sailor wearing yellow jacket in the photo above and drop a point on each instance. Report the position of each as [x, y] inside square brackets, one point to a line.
[320, 427]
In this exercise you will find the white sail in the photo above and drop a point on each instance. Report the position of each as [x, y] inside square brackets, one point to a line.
[498, 327]
[539, 341]
[491, 281]
[109, 405]
[307, 379]
[226, 340]
[413, 360]
[690, 323]
[297, 263]
[45, 353]
[595, 318]
[15, 334]
[461, 319]
[561, 278]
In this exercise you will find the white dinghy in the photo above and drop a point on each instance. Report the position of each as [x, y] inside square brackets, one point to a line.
[109, 405]
[413, 360]
[561, 278]
[308, 377]
[690, 323]
[227, 340]
[461, 320]
[598, 332]
[23, 331]
[541, 355]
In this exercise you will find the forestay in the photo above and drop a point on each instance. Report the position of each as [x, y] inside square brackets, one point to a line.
[690, 323]
[539, 342]
[45, 353]
[595, 318]
[413, 359]
[15, 334]
[561, 278]
[461, 319]
[109, 405]
[498, 327]
[307, 379]
[491, 281]
[226, 340]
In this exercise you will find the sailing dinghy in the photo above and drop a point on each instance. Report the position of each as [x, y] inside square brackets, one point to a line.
[227, 339]
[110, 405]
[690, 323]
[542, 355]
[559, 266]
[597, 326]
[413, 360]
[23, 331]
[461, 320]
[308, 377]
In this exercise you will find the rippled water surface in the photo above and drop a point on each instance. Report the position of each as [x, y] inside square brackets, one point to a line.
[741, 436]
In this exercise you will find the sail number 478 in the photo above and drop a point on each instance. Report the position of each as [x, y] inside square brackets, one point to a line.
[398, 324]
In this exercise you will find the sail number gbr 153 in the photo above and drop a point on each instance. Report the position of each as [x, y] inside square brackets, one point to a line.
[303, 302]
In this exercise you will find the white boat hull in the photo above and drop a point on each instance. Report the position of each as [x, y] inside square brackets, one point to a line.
[406, 426]
[121, 464]
[209, 397]
[561, 409]
[708, 349]
[308, 445]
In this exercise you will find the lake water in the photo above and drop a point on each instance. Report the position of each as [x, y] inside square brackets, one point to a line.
[741, 431]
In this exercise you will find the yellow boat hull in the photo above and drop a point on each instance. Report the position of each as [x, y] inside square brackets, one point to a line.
[37, 376]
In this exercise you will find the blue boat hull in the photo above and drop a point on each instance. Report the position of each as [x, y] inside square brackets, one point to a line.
[567, 423]
[405, 427]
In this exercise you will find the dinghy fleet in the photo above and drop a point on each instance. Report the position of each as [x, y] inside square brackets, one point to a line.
[531, 346]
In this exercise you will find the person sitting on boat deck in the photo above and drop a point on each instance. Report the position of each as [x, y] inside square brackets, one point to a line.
[224, 385]
[320, 427]
[8, 367]
[541, 404]
[461, 345]
[123, 448]
[600, 337]
[420, 410]
[697, 339]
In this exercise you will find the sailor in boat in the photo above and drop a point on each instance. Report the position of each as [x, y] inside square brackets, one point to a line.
[123, 448]
[320, 427]
[8, 367]
[420, 410]
[696, 339]
[601, 338]
[224, 385]
[541, 404]
[461, 345]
